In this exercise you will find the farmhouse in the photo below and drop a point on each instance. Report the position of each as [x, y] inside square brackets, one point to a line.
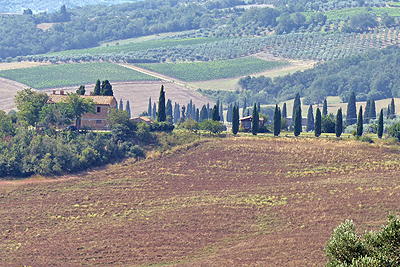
[142, 119]
[245, 122]
[95, 121]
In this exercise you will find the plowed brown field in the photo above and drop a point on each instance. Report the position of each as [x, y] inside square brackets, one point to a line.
[225, 202]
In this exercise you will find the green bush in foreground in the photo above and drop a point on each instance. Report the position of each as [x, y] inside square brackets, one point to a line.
[346, 248]
[394, 131]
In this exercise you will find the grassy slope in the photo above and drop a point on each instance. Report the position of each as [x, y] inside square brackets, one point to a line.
[242, 201]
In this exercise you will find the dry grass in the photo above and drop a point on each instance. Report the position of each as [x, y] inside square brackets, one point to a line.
[233, 201]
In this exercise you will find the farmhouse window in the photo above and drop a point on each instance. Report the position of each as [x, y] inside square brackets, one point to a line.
[98, 121]
[98, 109]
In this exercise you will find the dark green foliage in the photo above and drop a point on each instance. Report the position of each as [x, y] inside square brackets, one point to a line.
[221, 112]
[197, 115]
[203, 114]
[128, 108]
[29, 104]
[328, 124]
[366, 111]
[212, 126]
[284, 111]
[380, 124]
[97, 88]
[121, 105]
[235, 119]
[325, 108]
[106, 88]
[310, 119]
[255, 122]
[215, 113]
[296, 105]
[351, 110]
[154, 112]
[168, 110]
[373, 249]
[372, 110]
[149, 109]
[392, 109]
[339, 123]
[81, 90]
[394, 131]
[277, 121]
[244, 107]
[360, 123]
[297, 122]
[318, 123]
[388, 112]
[177, 113]
[162, 126]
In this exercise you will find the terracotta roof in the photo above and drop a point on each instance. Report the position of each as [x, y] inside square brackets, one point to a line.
[98, 99]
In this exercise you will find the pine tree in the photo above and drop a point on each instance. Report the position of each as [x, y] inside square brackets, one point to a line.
[325, 108]
[296, 104]
[284, 111]
[318, 123]
[203, 113]
[161, 116]
[106, 88]
[97, 88]
[351, 110]
[235, 119]
[154, 112]
[149, 108]
[310, 119]
[339, 123]
[392, 109]
[81, 90]
[168, 110]
[380, 124]
[360, 123]
[297, 122]
[128, 108]
[372, 110]
[215, 113]
[277, 121]
[121, 105]
[255, 120]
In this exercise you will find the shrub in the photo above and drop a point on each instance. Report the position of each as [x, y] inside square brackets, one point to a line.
[394, 131]
[366, 139]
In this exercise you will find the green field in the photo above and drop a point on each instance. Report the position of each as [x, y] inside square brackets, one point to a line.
[203, 71]
[349, 12]
[137, 46]
[72, 74]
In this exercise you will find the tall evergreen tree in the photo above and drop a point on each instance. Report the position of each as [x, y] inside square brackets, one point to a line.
[121, 105]
[106, 88]
[284, 111]
[255, 120]
[193, 112]
[154, 112]
[380, 124]
[351, 110]
[244, 107]
[168, 110]
[339, 123]
[235, 119]
[176, 112]
[392, 109]
[366, 111]
[161, 116]
[128, 108]
[197, 118]
[325, 108]
[296, 104]
[297, 122]
[221, 112]
[97, 88]
[372, 110]
[229, 113]
[208, 110]
[203, 113]
[258, 107]
[310, 119]
[81, 90]
[389, 113]
[183, 114]
[149, 109]
[360, 123]
[277, 121]
[215, 113]
[318, 123]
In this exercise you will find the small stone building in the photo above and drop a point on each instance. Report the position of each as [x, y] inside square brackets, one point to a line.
[245, 122]
[95, 121]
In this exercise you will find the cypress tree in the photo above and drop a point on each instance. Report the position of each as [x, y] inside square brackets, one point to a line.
[81, 90]
[310, 119]
[168, 110]
[149, 108]
[121, 105]
[244, 107]
[392, 109]
[366, 111]
[318, 123]
[255, 120]
[183, 114]
[284, 111]
[203, 113]
[351, 110]
[297, 122]
[360, 123]
[339, 123]
[154, 112]
[97, 88]
[176, 112]
[208, 110]
[296, 104]
[277, 121]
[128, 108]
[388, 112]
[325, 108]
[106, 88]
[215, 113]
[235, 119]
[372, 110]
[221, 112]
[258, 107]
[197, 118]
[161, 116]
[380, 124]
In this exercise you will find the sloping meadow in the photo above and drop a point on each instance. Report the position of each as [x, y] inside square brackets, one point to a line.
[237, 201]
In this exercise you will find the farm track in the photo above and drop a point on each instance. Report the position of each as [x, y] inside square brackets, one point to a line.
[225, 202]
